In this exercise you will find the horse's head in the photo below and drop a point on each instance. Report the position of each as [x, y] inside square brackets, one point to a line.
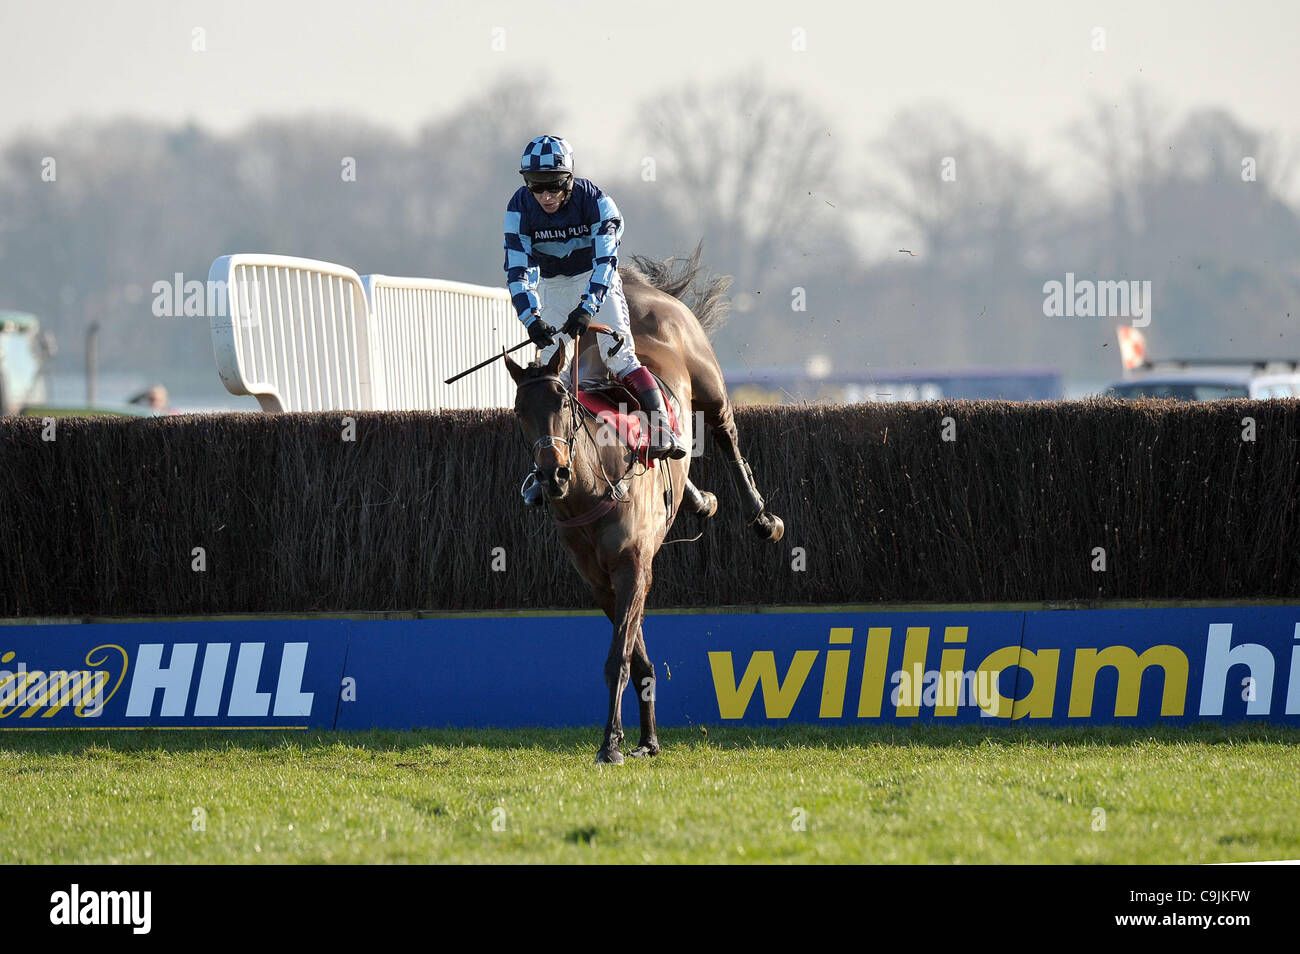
[546, 416]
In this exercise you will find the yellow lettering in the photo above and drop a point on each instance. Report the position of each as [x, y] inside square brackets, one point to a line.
[1042, 665]
[99, 662]
[837, 675]
[7, 693]
[57, 689]
[997, 704]
[872, 692]
[778, 696]
[70, 687]
[918, 639]
[1129, 667]
[952, 662]
[19, 696]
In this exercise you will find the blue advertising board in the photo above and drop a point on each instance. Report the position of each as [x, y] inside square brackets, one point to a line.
[824, 665]
[1222, 664]
[196, 674]
[748, 668]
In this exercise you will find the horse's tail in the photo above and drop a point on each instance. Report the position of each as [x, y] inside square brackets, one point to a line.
[686, 279]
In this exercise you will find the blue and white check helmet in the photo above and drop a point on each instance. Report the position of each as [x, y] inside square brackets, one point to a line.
[547, 155]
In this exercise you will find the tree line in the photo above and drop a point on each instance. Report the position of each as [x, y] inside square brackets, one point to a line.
[782, 200]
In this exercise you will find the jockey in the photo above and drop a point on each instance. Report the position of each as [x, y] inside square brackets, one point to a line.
[561, 246]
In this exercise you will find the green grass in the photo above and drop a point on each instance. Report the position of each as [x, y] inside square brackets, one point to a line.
[880, 795]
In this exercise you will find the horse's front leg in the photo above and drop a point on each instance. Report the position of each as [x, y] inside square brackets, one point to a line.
[643, 682]
[630, 584]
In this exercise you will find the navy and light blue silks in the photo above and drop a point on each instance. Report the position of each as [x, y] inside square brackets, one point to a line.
[581, 236]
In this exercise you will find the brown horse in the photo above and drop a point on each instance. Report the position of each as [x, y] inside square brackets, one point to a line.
[611, 514]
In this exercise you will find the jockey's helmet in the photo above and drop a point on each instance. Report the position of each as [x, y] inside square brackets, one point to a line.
[548, 160]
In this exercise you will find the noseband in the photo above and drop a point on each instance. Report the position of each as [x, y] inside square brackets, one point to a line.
[550, 440]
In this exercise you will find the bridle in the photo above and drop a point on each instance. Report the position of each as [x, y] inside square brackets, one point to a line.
[616, 490]
[550, 440]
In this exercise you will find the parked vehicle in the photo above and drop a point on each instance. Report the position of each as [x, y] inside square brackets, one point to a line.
[1212, 380]
[23, 354]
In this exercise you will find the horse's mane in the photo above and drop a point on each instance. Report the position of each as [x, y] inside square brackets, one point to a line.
[686, 279]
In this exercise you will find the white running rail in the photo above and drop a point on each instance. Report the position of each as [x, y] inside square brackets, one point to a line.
[303, 335]
[294, 333]
[425, 330]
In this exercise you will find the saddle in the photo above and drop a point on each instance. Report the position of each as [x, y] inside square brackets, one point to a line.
[615, 404]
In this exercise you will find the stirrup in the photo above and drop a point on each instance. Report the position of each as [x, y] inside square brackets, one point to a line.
[531, 491]
[668, 445]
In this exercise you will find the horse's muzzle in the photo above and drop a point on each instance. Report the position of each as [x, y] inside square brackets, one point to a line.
[556, 482]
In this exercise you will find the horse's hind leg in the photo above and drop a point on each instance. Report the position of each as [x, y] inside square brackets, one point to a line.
[709, 396]
[766, 525]
[643, 681]
[699, 502]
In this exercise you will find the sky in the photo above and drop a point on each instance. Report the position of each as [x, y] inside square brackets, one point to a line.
[1022, 70]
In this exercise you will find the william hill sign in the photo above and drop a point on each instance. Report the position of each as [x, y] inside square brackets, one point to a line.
[823, 666]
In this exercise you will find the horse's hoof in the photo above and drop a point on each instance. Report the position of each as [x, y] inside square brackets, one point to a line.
[609, 757]
[769, 527]
[710, 505]
[641, 751]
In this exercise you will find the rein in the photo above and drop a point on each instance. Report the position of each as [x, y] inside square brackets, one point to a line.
[616, 492]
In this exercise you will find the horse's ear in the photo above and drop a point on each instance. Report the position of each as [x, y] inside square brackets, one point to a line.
[516, 372]
[553, 366]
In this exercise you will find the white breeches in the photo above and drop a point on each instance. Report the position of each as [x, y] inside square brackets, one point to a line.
[560, 295]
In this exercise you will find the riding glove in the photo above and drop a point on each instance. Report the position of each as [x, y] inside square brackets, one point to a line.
[578, 322]
[541, 334]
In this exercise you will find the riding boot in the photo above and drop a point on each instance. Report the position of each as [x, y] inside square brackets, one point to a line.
[664, 442]
[532, 491]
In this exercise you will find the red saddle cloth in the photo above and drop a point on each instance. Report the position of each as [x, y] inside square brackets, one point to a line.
[614, 404]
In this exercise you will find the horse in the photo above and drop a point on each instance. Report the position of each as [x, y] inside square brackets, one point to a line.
[611, 516]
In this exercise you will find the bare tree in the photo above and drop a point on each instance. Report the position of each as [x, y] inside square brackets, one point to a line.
[463, 169]
[1121, 142]
[965, 200]
[744, 165]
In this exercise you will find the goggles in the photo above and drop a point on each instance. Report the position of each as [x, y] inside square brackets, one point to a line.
[550, 183]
